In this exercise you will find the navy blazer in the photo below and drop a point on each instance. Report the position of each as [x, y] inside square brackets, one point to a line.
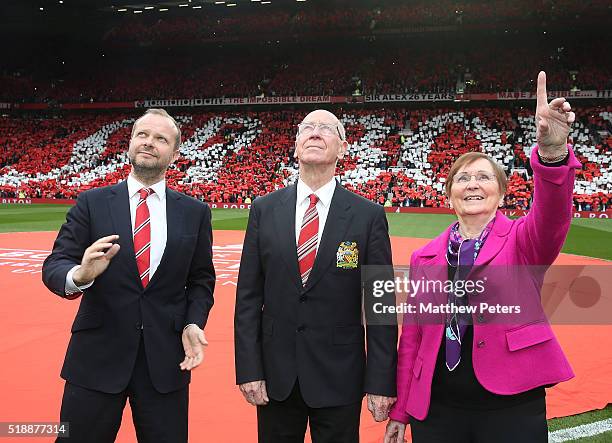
[285, 332]
[116, 310]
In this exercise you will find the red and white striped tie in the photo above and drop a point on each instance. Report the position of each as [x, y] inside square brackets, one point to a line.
[142, 236]
[307, 242]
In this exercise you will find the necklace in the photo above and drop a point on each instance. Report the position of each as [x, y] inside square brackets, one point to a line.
[467, 237]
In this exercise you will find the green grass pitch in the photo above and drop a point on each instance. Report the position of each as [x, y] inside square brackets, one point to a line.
[587, 237]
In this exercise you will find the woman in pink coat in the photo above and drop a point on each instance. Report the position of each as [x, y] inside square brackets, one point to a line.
[458, 382]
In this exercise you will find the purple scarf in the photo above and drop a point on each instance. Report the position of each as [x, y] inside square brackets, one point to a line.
[461, 254]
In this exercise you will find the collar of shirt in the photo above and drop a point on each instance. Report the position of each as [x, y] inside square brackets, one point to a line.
[324, 193]
[134, 186]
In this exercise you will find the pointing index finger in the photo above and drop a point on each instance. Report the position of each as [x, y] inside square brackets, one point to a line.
[541, 94]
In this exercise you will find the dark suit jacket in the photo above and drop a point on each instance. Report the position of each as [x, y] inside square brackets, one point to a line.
[284, 331]
[106, 331]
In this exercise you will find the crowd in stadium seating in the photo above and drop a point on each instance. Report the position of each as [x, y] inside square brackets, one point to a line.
[219, 24]
[208, 26]
[396, 156]
[249, 78]
[364, 69]
[448, 63]
[582, 66]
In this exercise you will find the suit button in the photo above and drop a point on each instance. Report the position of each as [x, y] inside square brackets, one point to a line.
[303, 298]
[481, 344]
[481, 318]
[301, 328]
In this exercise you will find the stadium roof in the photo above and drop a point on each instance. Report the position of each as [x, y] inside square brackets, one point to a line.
[40, 16]
[19, 9]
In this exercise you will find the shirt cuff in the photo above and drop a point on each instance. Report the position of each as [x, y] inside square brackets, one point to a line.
[189, 325]
[71, 288]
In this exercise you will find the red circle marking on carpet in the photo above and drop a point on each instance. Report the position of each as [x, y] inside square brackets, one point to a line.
[36, 329]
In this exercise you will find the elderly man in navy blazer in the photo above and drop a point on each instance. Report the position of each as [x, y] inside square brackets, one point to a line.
[300, 344]
[140, 254]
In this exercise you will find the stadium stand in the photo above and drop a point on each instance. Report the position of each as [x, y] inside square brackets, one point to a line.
[370, 68]
[397, 155]
[356, 19]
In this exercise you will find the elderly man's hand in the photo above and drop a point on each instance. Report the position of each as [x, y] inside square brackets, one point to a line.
[380, 406]
[552, 121]
[255, 392]
[194, 342]
[395, 432]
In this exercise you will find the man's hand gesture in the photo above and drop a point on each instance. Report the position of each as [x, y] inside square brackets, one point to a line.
[194, 342]
[95, 260]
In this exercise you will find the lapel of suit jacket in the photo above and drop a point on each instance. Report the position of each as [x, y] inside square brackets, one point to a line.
[431, 260]
[430, 265]
[334, 232]
[174, 223]
[119, 209]
[496, 240]
[284, 219]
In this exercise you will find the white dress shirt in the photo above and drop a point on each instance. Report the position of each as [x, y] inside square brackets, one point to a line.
[325, 194]
[159, 230]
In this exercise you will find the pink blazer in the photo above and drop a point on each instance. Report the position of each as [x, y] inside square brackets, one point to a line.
[507, 360]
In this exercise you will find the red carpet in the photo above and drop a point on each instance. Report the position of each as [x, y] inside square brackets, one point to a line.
[36, 329]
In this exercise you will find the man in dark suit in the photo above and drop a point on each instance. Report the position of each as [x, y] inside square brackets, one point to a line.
[141, 256]
[299, 338]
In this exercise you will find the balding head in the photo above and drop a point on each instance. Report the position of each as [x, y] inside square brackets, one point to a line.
[324, 116]
[320, 142]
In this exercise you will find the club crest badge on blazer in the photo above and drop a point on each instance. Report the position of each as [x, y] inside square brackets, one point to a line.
[347, 256]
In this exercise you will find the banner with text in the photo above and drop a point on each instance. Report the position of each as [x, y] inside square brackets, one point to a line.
[314, 99]
[425, 97]
[553, 94]
[531, 95]
[236, 101]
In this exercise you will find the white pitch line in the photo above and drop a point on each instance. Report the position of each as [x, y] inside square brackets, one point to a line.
[588, 430]
[47, 251]
[23, 259]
